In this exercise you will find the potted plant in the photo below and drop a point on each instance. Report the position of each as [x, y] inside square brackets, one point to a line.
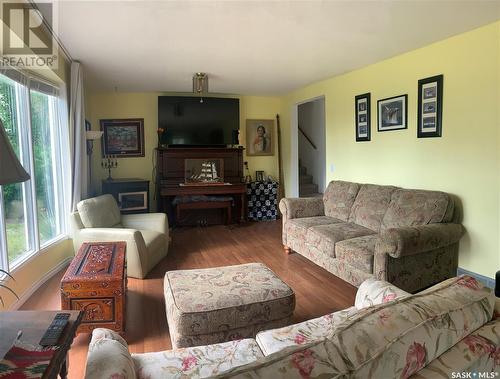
[2, 285]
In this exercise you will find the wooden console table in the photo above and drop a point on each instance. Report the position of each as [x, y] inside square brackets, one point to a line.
[33, 324]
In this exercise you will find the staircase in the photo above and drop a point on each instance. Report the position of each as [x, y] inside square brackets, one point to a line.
[306, 186]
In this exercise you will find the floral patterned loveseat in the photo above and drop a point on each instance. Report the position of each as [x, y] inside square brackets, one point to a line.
[446, 330]
[356, 231]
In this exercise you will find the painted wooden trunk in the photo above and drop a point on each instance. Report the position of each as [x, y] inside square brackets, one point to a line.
[96, 283]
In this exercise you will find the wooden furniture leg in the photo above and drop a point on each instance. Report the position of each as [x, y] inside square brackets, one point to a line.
[63, 373]
[242, 212]
[228, 215]
[177, 213]
[288, 251]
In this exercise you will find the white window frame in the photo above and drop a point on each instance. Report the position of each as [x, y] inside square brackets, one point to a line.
[60, 150]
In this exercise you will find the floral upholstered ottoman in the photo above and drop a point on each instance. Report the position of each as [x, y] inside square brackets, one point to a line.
[207, 306]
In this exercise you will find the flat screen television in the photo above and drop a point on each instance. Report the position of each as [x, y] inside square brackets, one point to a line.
[188, 122]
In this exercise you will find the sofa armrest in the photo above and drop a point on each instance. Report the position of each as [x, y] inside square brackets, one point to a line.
[301, 207]
[136, 247]
[100, 333]
[110, 234]
[157, 222]
[372, 292]
[399, 242]
[108, 357]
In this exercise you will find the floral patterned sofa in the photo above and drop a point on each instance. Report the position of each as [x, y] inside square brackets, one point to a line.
[357, 231]
[453, 327]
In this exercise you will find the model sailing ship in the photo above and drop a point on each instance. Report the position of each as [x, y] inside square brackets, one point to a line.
[208, 174]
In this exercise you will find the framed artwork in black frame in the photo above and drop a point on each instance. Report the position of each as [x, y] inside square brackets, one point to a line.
[363, 117]
[392, 113]
[123, 137]
[430, 107]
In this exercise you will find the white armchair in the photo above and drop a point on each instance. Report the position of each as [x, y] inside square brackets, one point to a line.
[99, 220]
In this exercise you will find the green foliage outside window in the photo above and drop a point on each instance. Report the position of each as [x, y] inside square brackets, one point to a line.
[39, 135]
[44, 181]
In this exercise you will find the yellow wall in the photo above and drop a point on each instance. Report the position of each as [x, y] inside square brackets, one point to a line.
[36, 270]
[464, 162]
[145, 105]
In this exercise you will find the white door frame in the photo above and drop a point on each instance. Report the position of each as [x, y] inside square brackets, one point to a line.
[294, 144]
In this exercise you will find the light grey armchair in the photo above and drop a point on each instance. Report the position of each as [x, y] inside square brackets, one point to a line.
[99, 220]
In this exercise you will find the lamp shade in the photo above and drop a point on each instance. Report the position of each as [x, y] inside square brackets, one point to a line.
[92, 135]
[11, 170]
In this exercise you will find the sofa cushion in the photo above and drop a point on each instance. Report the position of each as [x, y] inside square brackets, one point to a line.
[224, 334]
[417, 207]
[296, 228]
[358, 252]
[216, 299]
[314, 330]
[478, 352]
[339, 197]
[372, 292]
[395, 339]
[324, 237]
[99, 212]
[370, 205]
[108, 356]
[196, 362]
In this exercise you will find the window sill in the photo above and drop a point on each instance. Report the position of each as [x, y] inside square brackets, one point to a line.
[23, 260]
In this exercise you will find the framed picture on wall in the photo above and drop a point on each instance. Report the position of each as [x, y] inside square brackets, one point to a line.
[260, 137]
[363, 117]
[123, 137]
[392, 113]
[259, 176]
[430, 106]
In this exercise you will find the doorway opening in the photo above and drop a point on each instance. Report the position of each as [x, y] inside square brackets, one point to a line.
[309, 148]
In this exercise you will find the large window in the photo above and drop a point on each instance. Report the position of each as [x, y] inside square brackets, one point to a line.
[31, 213]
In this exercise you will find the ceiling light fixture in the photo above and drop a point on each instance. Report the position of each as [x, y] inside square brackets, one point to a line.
[200, 84]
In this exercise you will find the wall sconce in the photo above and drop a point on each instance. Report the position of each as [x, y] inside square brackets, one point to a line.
[200, 84]
[91, 136]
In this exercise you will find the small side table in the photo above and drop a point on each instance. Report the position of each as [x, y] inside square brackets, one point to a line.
[33, 325]
[262, 200]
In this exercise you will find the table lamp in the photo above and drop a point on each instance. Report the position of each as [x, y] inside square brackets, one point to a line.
[11, 170]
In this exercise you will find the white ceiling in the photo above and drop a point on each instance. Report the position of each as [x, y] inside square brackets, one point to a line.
[250, 47]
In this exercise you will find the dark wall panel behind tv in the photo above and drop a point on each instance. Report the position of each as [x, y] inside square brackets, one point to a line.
[187, 121]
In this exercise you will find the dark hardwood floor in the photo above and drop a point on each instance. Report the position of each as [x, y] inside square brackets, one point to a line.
[317, 291]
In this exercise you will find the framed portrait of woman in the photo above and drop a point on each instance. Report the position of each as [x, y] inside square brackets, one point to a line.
[260, 137]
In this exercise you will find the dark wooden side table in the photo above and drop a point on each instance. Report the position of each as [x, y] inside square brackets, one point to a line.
[132, 195]
[33, 325]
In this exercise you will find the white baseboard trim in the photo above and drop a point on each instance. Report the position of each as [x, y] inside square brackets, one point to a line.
[26, 295]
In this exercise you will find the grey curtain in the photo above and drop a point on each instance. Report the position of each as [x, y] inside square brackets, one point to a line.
[78, 141]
